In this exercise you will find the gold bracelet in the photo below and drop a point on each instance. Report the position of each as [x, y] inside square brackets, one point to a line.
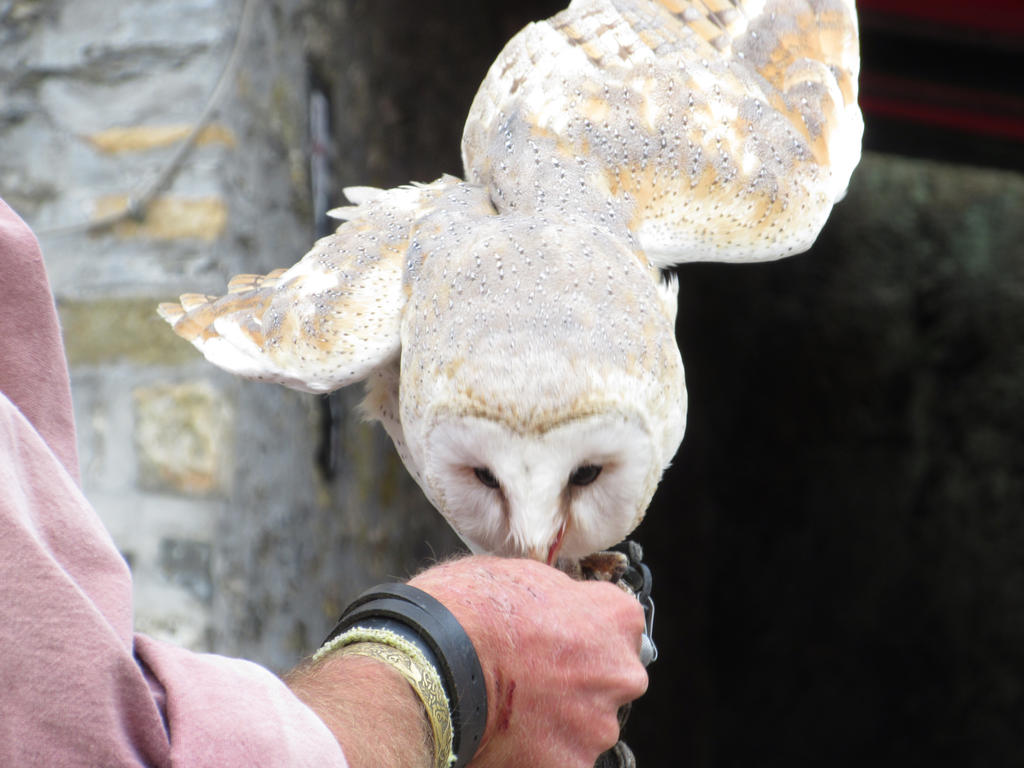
[403, 655]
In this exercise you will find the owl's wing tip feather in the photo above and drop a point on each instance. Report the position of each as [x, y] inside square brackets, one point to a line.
[170, 311]
[357, 196]
[193, 301]
[361, 195]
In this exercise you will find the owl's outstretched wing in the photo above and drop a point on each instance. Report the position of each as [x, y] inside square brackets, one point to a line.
[709, 129]
[333, 317]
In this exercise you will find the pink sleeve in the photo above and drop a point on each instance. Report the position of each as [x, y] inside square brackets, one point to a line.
[33, 371]
[228, 712]
[76, 687]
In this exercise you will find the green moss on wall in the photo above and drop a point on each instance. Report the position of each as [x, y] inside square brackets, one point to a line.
[109, 330]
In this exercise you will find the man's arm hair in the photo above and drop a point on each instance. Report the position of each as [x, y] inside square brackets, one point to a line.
[378, 720]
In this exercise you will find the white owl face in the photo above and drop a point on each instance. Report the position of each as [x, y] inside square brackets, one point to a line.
[569, 491]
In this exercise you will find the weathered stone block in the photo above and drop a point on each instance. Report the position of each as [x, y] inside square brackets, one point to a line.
[183, 438]
[187, 563]
[169, 218]
[112, 330]
[139, 138]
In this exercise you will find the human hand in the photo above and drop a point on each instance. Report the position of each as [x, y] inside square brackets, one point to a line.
[559, 657]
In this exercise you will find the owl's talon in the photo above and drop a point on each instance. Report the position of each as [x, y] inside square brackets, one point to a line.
[619, 756]
[604, 566]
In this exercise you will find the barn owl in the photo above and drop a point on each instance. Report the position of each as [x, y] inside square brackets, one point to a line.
[515, 330]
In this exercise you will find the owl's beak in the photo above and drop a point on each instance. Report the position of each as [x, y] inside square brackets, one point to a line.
[556, 545]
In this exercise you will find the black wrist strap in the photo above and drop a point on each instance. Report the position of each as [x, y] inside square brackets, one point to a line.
[421, 619]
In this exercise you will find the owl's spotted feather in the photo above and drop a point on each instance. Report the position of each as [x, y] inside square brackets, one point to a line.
[717, 131]
[329, 320]
[514, 330]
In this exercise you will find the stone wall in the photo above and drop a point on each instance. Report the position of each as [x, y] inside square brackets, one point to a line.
[238, 542]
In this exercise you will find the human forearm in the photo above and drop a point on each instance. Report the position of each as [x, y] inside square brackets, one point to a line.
[558, 658]
[371, 709]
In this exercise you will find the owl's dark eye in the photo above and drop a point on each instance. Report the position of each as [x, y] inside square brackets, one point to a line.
[585, 474]
[485, 476]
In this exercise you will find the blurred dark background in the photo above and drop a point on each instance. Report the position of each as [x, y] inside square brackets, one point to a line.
[838, 549]
[846, 515]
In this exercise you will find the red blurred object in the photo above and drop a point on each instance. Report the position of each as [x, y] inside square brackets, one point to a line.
[944, 65]
[1000, 18]
[959, 109]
